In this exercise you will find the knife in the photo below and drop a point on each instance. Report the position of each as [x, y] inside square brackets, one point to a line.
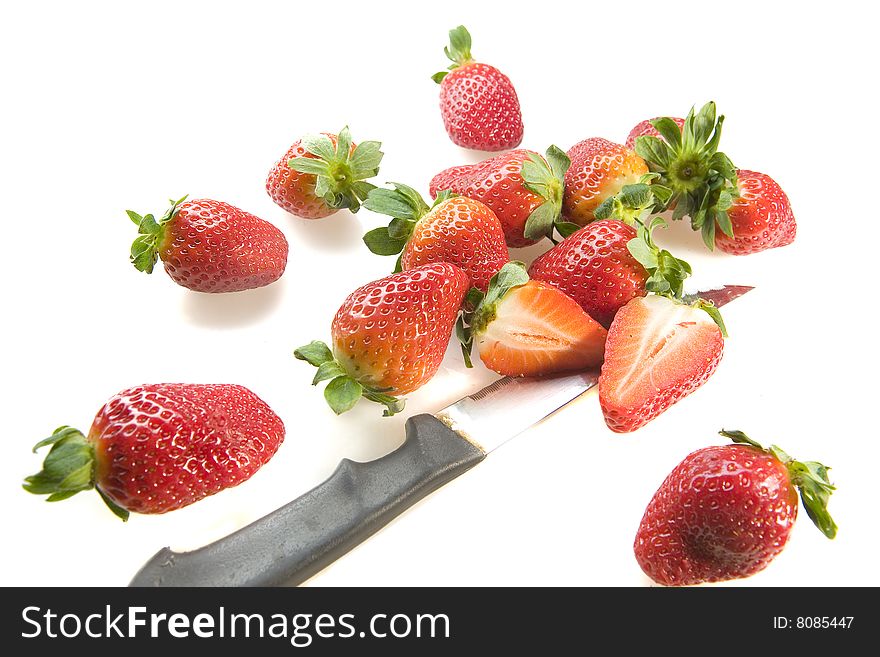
[301, 538]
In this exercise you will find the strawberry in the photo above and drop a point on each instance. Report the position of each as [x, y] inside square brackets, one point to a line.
[457, 230]
[607, 263]
[159, 447]
[210, 246]
[599, 169]
[388, 337]
[528, 328]
[478, 103]
[646, 128]
[595, 268]
[320, 174]
[725, 512]
[522, 188]
[658, 351]
[686, 161]
[761, 216]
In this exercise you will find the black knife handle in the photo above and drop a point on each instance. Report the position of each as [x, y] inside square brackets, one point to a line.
[301, 538]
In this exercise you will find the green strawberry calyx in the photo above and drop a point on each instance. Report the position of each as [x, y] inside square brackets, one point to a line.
[458, 51]
[702, 179]
[68, 469]
[546, 178]
[406, 207]
[343, 390]
[636, 202]
[809, 477]
[666, 273]
[481, 309]
[151, 232]
[340, 171]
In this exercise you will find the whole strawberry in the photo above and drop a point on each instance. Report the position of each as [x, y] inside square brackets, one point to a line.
[725, 512]
[457, 230]
[528, 328]
[478, 103]
[599, 169]
[210, 246]
[321, 174]
[761, 216]
[158, 447]
[388, 337]
[646, 127]
[523, 189]
[595, 268]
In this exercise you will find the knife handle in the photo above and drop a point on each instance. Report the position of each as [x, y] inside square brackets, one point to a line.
[301, 538]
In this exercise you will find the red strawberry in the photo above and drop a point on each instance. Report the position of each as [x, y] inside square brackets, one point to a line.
[528, 328]
[478, 102]
[389, 337]
[522, 188]
[599, 169]
[760, 216]
[155, 448]
[210, 246]
[595, 268]
[725, 512]
[457, 230]
[658, 352]
[646, 128]
[321, 174]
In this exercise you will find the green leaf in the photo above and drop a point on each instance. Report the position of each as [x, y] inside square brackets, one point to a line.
[540, 222]
[309, 165]
[148, 226]
[380, 242]
[321, 146]
[739, 437]
[343, 145]
[134, 216]
[459, 50]
[329, 369]
[669, 130]
[635, 196]
[117, 510]
[438, 77]
[704, 122]
[712, 310]
[402, 202]
[535, 171]
[68, 468]
[144, 254]
[400, 229]
[605, 208]
[723, 220]
[366, 158]
[393, 405]
[708, 233]
[559, 161]
[342, 393]
[653, 151]
[721, 163]
[315, 353]
[566, 228]
[643, 253]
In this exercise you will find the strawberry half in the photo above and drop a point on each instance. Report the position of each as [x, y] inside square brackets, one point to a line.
[456, 229]
[478, 103]
[155, 448]
[599, 169]
[760, 217]
[321, 174]
[725, 512]
[521, 187]
[528, 328]
[658, 351]
[210, 246]
[388, 337]
[646, 128]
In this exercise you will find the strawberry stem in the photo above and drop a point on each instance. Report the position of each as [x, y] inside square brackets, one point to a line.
[343, 390]
[145, 248]
[68, 469]
[340, 171]
[809, 477]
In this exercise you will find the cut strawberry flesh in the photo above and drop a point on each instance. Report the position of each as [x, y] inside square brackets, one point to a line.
[658, 352]
[538, 330]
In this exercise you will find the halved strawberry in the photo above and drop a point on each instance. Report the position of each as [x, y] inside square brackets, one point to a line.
[529, 328]
[658, 351]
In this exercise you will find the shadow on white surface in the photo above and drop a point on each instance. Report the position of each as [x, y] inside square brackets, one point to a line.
[338, 232]
[232, 310]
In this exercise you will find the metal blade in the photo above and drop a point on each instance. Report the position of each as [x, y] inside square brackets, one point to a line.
[719, 296]
[509, 406]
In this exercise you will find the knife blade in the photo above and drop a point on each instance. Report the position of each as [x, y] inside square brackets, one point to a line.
[304, 536]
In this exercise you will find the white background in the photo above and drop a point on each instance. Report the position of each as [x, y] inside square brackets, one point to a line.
[109, 106]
